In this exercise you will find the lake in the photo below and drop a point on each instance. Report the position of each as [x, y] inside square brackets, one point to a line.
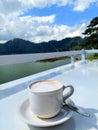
[16, 71]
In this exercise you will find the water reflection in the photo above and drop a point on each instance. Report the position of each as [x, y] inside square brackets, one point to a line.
[16, 71]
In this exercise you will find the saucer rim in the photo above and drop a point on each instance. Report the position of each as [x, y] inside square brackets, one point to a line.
[61, 121]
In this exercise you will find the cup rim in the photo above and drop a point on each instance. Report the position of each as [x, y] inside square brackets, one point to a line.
[42, 92]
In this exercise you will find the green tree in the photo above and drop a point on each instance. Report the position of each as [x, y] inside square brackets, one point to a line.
[92, 34]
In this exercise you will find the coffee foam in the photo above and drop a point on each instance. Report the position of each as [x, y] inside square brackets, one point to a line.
[46, 86]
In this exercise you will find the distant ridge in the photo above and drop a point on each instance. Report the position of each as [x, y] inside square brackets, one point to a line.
[20, 46]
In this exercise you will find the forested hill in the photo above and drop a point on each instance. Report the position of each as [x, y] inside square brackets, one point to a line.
[20, 46]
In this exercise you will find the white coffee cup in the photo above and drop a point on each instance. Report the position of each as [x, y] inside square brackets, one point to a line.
[46, 97]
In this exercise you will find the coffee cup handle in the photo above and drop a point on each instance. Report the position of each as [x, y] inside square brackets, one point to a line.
[69, 93]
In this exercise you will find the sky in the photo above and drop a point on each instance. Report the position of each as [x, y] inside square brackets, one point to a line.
[45, 20]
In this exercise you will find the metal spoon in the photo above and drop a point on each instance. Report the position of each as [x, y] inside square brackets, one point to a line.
[78, 110]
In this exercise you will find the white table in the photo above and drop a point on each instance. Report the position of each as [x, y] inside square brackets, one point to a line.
[84, 78]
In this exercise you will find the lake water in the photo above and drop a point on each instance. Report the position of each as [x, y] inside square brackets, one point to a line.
[16, 71]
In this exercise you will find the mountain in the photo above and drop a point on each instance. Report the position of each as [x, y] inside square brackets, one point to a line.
[20, 46]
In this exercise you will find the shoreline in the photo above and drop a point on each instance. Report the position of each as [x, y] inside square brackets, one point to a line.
[53, 59]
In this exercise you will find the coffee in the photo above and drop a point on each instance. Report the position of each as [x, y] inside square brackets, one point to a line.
[46, 86]
[46, 97]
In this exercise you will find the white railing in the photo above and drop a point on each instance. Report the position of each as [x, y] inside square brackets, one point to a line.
[92, 51]
[13, 59]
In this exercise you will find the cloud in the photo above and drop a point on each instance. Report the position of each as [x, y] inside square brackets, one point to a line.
[77, 5]
[77, 30]
[11, 7]
[44, 3]
[26, 27]
[37, 29]
[17, 7]
[81, 5]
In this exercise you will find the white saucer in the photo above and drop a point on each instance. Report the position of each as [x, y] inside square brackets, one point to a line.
[29, 118]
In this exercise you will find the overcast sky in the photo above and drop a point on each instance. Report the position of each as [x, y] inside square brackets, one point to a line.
[44, 20]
